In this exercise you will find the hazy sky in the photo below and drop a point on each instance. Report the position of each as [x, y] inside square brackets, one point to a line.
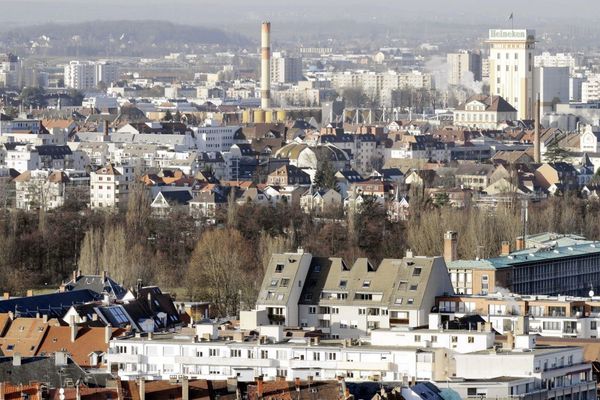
[231, 12]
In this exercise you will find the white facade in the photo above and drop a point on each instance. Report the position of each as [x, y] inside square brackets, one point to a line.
[590, 89]
[511, 68]
[83, 75]
[555, 371]
[23, 158]
[215, 138]
[80, 75]
[37, 191]
[109, 186]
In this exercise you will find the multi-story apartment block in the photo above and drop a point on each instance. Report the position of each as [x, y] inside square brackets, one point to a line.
[208, 353]
[350, 301]
[547, 59]
[463, 64]
[526, 372]
[80, 75]
[548, 316]
[285, 69]
[109, 186]
[511, 68]
[216, 138]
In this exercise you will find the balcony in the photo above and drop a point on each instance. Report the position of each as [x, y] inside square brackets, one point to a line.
[126, 358]
[399, 321]
[228, 361]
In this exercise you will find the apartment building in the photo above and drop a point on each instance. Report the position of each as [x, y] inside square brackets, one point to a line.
[464, 66]
[525, 372]
[285, 68]
[388, 356]
[350, 301]
[547, 316]
[40, 189]
[109, 186]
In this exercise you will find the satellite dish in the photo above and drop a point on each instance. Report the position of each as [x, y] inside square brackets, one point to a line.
[591, 293]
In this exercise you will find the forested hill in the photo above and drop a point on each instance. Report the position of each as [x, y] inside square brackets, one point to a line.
[131, 38]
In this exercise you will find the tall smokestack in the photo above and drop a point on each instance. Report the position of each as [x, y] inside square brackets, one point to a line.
[537, 158]
[265, 67]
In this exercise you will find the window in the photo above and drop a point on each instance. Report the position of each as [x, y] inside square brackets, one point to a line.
[398, 300]
[433, 339]
[284, 282]
[362, 311]
[470, 339]
[417, 271]
[413, 287]
[316, 356]
[366, 284]
[317, 268]
[236, 353]
[454, 339]
[274, 282]
[410, 301]
[213, 352]
[331, 356]
[312, 310]
[264, 354]
[417, 338]
[279, 268]
[593, 325]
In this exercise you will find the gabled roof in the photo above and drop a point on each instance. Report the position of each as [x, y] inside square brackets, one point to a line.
[492, 103]
[87, 341]
[98, 284]
[178, 197]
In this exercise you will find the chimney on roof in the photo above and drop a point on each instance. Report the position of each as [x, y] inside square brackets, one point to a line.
[74, 329]
[142, 388]
[6, 295]
[105, 128]
[29, 292]
[450, 246]
[505, 248]
[62, 288]
[520, 243]
[107, 333]
[104, 275]
[74, 275]
[259, 387]
[185, 388]
[16, 361]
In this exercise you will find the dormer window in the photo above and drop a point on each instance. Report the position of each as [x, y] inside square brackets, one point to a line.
[279, 268]
[343, 284]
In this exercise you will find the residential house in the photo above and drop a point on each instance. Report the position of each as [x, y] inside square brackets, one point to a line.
[557, 176]
[109, 186]
[288, 175]
[321, 201]
[474, 176]
[484, 112]
[40, 189]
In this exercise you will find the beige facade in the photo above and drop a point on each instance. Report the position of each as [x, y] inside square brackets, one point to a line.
[511, 67]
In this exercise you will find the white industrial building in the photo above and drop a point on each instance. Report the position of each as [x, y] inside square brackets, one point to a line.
[511, 68]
